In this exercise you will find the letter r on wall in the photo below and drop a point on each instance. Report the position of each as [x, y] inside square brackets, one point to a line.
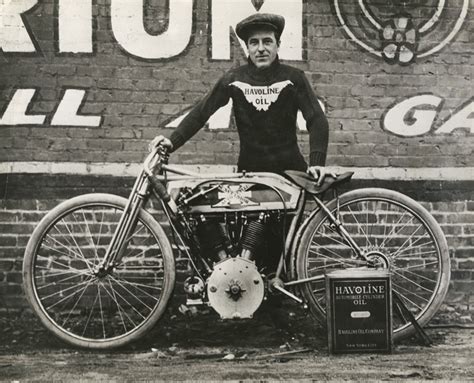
[14, 37]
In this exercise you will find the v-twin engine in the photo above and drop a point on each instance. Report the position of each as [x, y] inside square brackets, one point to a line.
[235, 287]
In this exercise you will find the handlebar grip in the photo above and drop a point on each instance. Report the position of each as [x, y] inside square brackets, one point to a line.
[163, 151]
[160, 189]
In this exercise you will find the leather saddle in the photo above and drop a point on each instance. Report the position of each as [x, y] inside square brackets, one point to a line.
[309, 183]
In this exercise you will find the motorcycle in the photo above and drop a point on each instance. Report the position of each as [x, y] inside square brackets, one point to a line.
[99, 269]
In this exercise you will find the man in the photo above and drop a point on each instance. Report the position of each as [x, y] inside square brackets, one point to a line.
[266, 96]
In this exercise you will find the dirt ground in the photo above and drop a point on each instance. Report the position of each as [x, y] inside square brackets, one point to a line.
[286, 346]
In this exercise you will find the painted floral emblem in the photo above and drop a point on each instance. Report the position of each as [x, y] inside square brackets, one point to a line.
[399, 40]
[401, 31]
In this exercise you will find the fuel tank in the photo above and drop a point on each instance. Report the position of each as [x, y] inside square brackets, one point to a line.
[236, 192]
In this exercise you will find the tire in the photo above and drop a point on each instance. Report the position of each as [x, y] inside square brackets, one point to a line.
[74, 302]
[397, 232]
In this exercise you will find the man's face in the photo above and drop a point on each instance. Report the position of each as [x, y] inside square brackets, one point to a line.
[263, 48]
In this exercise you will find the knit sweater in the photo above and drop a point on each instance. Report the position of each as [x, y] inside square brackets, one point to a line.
[266, 102]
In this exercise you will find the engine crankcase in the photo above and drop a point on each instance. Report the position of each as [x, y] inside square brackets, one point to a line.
[235, 288]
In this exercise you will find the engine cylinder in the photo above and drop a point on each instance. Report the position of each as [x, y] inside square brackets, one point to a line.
[212, 238]
[253, 237]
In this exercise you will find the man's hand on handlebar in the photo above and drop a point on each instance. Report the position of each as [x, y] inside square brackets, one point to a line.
[160, 141]
[321, 172]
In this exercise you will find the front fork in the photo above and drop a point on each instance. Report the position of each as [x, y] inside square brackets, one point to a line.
[126, 224]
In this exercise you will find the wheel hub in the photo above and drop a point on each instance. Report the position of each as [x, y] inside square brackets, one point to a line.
[102, 272]
[378, 259]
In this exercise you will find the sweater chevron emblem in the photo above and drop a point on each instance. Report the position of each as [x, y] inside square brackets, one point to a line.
[261, 97]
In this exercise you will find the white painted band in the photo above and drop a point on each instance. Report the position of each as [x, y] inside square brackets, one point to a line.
[132, 169]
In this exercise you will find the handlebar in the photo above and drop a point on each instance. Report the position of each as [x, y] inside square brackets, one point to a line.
[157, 156]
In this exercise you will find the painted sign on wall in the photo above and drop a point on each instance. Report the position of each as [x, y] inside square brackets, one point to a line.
[416, 116]
[396, 31]
[74, 27]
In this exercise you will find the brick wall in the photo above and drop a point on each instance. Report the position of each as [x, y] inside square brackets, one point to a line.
[136, 97]
[373, 104]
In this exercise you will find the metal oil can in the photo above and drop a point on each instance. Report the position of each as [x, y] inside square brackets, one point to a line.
[359, 310]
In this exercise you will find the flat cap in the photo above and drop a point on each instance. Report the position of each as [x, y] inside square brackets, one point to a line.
[260, 20]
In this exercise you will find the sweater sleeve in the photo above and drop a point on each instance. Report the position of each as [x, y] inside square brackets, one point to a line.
[198, 116]
[316, 122]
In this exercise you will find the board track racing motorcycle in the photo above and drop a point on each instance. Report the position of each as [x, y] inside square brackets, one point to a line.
[99, 269]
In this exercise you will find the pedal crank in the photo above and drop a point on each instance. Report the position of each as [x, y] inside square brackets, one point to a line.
[277, 284]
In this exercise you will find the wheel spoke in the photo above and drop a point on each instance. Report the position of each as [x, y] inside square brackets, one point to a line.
[319, 291]
[402, 247]
[64, 236]
[59, 264]
[335, 241]
[68, 254]
[90, 315]
[120, 267]
[143, 285]
[317, 252]
[397, 290]
[129, 304]
[101, 310]
[96, 255]
[416, 266]
[50, 275]
[343, 261]
[418, 254]
[119, 308]
[397, 253]
[131, 293]
[62, 280]
[391, 234]
[75, 305]
[77, 254]
[416, 275]
[77, 246]
[77, 287]
[135, 234]
[413, 282]
[360, 226]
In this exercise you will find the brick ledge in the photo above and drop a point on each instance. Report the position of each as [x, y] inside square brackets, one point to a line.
[132, 169]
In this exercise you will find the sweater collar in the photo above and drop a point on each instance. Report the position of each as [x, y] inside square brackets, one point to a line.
[263, 74]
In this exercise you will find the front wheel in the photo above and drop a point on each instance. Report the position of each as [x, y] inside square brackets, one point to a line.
[80, 303]
[396, 233]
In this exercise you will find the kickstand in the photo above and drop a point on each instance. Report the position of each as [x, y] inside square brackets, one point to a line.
[405, 313]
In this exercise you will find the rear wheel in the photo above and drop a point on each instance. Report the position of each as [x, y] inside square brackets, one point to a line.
[394, 231]
[81, 304]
